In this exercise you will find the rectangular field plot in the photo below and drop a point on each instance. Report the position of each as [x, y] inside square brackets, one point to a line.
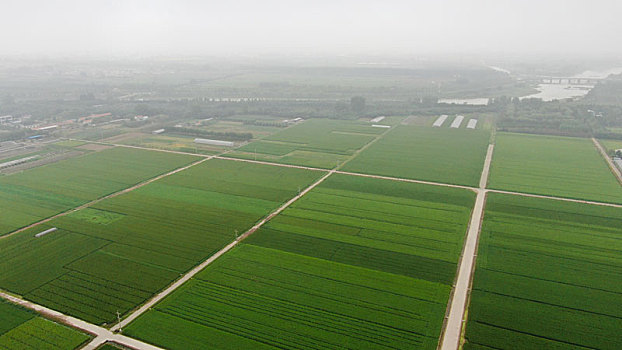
[44, 191]
[116, 254]
[548, 276]
[446, 155]
[23, 329]
[356, 263]
[549, 165]
[321, 143]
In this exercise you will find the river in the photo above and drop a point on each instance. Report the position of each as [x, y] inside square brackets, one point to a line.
[550, 92]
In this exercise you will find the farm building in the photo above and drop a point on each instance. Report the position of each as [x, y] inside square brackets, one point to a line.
[16, 162]
[214, 142]
[440, 120]
[377, 119]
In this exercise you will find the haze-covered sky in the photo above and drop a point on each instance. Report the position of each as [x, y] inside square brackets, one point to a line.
[412, 27]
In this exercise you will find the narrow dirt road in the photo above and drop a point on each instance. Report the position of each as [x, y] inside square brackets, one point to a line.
[458, 304]
[612, 166]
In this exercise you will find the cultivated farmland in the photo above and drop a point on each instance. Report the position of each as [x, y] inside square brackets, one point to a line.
[41, 192]
[549, 165]
[356, 263]
[116, 254]
[549, 276]
[423, 153]
[23, 329]
[316, 143]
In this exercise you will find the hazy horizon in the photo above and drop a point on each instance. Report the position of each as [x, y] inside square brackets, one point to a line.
[182, 28]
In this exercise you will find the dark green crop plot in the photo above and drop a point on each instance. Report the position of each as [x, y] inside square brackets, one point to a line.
[453, 156]
[550, 165]
[356, 263]
[41, 192]
[549, 275]
[116, 254]
[321, 143]
[23, 329]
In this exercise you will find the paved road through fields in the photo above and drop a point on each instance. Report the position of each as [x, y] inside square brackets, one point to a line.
[454, 323]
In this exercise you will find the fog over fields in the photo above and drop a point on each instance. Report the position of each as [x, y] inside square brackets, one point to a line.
[166, 27]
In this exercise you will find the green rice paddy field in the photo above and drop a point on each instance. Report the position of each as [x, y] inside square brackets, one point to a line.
[316, 143]
[548, 276]
[22, 329]
[550, 165]
[454, 156]
[117, 253]
[47, 190]
[356, 263]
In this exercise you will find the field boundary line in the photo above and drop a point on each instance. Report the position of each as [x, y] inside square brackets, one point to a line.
[187, 276]
[101, 335]
[423, 182]
[455, 319]
[270, 163]
[543, 196]
[141, 148]
[97, 200]
[366, 146]
[612, 166]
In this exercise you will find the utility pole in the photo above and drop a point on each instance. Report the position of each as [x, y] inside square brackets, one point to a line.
[119, 320]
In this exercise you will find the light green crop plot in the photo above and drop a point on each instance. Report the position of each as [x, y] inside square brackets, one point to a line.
[446, 155]
[47, 190]
[549, 165]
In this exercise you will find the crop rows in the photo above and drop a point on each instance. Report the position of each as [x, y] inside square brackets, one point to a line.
[453, 156]
[113, 256]
[356, 263]
[316, 143]
[558, 166]
[41, 192]
[548, 276]
[23, 329]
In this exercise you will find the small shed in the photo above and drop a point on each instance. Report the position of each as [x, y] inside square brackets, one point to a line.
[214, 142]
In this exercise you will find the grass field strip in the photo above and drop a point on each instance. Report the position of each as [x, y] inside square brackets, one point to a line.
[101, 334]
[126, 190]
[612, 166]
[407, 180]
[270, 163]
[556, 198]
[450, 339]
[200, 267]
